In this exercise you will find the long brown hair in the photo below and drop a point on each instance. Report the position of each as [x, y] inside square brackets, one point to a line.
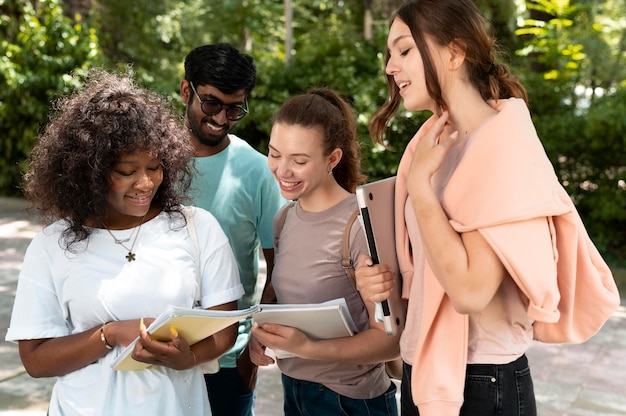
[446, 22]
[325, 110]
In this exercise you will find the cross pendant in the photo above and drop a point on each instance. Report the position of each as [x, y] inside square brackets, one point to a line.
[130, 256]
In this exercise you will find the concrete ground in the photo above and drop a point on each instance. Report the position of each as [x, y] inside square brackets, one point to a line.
[570, 380]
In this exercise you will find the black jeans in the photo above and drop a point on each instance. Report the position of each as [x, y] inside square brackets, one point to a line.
[490, 390]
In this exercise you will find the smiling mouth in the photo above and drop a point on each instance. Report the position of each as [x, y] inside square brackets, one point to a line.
[213, 127]
[403, 85]
[144, 199]
[288, 185]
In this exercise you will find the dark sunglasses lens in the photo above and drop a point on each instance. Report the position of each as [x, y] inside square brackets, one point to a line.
[210, 107]
[235, 113]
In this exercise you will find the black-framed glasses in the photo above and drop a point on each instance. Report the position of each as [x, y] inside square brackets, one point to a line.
[214, 106]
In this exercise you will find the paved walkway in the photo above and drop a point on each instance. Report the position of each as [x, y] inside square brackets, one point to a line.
[570, 380]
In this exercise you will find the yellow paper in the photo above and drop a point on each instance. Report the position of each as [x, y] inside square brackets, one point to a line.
[192, 324]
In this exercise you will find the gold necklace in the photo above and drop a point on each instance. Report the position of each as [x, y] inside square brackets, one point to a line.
[130, 256]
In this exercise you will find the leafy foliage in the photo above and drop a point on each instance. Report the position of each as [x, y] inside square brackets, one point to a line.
[40, 47]
[578, 109]
[568, 53]
[596, 167]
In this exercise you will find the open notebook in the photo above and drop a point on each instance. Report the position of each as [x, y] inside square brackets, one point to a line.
[192, 324]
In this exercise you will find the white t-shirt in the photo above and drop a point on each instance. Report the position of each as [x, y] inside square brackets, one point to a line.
[60, 293]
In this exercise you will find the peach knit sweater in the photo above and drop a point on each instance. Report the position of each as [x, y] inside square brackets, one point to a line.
[506, 188]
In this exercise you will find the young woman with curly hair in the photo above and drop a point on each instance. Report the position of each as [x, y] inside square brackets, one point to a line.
[109, 173]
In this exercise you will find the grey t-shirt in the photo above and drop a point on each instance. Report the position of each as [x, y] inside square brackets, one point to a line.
[307, 269]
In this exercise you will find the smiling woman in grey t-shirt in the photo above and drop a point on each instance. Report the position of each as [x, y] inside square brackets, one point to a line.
[314, 156]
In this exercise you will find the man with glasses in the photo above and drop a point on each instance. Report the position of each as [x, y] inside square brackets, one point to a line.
[236, 186]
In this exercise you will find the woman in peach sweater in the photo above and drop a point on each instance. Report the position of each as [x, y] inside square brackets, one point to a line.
[478, 212]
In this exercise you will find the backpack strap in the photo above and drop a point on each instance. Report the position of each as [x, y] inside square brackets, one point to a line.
[281, 221]
[213, 366]
[346, 261]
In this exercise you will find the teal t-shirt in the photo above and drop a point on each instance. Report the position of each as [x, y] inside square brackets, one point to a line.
[237, 187]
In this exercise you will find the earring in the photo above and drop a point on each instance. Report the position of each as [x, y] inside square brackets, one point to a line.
[330, 171]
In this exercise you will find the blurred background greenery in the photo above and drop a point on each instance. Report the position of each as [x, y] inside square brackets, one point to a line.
[571, 56]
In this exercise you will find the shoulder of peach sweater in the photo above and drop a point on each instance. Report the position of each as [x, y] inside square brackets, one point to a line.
[504, 174]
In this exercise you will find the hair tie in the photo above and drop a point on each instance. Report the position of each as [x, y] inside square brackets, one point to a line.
[328, 98]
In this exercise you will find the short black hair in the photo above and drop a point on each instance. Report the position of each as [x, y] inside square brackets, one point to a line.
[221, 66]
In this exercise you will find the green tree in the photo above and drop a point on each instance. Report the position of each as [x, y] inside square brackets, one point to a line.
[574, 50]
[328, 49]
[155, 36]
[569, 54]
[39, 49]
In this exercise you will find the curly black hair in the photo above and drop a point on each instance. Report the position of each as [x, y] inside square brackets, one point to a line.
[88, 133]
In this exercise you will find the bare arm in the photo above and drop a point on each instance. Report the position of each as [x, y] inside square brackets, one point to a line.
[51, 357]
[465, 265]
[218, 344]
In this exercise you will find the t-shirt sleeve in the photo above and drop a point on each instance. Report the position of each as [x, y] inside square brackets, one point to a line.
[220, 276]
[37, 312]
